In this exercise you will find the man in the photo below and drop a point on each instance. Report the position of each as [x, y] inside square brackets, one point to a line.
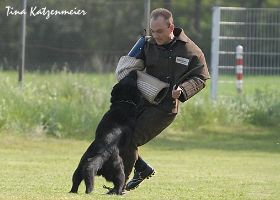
[166, 56]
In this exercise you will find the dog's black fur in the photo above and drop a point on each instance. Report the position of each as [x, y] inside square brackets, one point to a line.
[111, 154]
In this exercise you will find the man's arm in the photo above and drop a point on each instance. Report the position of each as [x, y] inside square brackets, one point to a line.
[196, 81]
[191, 87]
[142, 53]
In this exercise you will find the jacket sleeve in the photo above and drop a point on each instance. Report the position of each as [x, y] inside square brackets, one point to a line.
[142, 53]
[191, 87]
[196, 81]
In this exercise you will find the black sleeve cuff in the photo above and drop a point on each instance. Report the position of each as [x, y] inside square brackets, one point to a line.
[183, 97]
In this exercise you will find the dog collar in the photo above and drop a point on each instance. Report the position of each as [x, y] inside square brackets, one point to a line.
[127, 101]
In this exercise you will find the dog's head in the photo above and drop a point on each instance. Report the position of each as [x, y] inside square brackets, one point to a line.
[126, 89]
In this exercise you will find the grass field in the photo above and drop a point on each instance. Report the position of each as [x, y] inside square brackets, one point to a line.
[219, 164]
[70, 105]
[229, 149]
[227, 84]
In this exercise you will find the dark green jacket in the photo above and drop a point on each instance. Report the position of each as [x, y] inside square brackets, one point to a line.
[168, 64]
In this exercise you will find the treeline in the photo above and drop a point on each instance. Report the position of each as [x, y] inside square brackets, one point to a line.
[95, 41]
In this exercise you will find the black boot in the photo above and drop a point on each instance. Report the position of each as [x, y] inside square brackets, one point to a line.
[142, 171]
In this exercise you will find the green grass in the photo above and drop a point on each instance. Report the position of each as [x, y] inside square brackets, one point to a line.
[228, 149]
[69, 105]
[56, 104]
[227, 84]
[217, 164]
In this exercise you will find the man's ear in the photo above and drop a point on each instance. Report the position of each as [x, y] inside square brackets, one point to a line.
[171, 27]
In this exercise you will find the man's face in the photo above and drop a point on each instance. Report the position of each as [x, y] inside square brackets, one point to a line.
[160, 30]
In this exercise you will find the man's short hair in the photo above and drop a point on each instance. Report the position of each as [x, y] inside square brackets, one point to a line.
[166, 14]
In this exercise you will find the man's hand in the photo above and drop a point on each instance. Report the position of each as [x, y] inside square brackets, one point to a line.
[176, 93]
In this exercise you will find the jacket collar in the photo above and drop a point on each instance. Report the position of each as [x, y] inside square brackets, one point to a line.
[178, 33]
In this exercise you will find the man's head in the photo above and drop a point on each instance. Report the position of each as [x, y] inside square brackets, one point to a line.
[162, 25]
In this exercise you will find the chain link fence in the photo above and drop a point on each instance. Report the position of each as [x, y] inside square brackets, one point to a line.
[92, 42]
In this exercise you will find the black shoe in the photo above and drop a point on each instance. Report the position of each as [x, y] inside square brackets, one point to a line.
[139, 177]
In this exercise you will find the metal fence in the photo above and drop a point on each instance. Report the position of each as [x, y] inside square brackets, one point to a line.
[257, 30]
[93, 42]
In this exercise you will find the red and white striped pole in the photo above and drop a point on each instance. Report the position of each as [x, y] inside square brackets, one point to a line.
[239, 68]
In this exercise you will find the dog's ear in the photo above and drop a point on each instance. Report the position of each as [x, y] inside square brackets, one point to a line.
[114, 92]
[133, 74]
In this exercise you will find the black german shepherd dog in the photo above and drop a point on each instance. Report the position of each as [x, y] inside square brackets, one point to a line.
[112, 154]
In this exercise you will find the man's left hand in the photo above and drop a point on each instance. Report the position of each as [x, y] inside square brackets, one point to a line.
[176, 93]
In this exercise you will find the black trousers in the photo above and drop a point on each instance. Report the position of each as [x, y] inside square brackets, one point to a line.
[151, 122]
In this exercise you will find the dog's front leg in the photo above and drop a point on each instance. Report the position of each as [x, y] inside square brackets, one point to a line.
[119, 179]
[118, 185]
[129, 158]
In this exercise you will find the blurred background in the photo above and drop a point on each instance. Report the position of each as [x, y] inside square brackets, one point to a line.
[94, 42]
[70, 62]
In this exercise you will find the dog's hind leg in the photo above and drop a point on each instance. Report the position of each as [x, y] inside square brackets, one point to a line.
[76, 179]
[89, 172]
[89, 178]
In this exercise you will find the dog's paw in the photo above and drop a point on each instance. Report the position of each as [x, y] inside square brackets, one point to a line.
[89, 190]
[115, 192]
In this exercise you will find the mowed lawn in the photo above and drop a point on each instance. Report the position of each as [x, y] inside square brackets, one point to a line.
[217, 163]
[251, 84]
